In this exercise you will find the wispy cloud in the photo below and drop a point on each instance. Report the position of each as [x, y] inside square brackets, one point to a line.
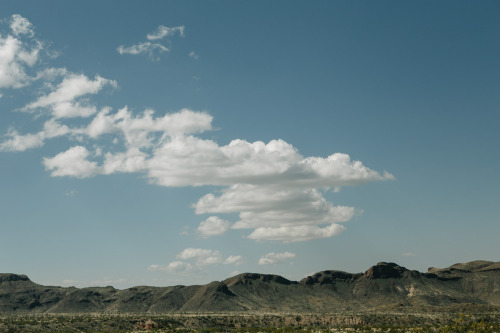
[173, 267]
[153, 50]
[276, 258]
[194, 259]
[193, 55]
[163, 31]
[106, 281]
[143, 48]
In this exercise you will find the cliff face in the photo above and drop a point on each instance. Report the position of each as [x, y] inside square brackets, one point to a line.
[381, 286]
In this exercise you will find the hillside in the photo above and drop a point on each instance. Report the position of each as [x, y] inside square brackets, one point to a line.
[383, 286]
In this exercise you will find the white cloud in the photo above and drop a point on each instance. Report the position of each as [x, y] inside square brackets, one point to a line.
[18, 142]
[408, 254]
[234, 260]
[18, 52]
[298, 233]
[213, 226]
[287, 215]
[194, 161]
[202, 256]
[63, 101]
[72, 162]
[272, 187]
[198, 258]
[265, 205]
[137, 128]
[173, 267]
[133, 160]
[163, 31]
[152, 49]
[143, 48]
[275, 258]
[52, 73]
[21, 26]
[277, 192]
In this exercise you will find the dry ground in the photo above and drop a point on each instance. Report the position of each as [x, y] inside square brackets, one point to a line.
[254, 322]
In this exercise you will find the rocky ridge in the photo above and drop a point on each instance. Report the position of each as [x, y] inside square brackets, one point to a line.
[383, 286]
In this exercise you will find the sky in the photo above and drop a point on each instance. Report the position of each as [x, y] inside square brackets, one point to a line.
[181, 142]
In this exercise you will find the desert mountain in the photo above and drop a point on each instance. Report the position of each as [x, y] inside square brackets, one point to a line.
[382, 285]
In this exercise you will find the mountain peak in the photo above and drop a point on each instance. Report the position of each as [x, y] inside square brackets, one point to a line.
[250, 278]
[385, 270]
[10, 277]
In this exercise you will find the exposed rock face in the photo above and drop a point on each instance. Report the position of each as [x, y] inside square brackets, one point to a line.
[9, 277]
[385, 285]
[384, 270]
[250, 278]
[329, 277]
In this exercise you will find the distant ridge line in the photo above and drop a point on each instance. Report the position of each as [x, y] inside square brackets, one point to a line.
[382, 286]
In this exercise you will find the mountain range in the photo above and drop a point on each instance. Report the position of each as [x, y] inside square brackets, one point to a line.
[383, 286]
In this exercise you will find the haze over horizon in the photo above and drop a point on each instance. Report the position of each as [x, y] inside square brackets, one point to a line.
[165, 143]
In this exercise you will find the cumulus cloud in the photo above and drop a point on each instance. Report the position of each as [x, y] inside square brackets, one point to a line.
[277, 193]
[21, 26]
[193, 55]
[19, 142]
[202, 256]
[213, 226]
[153, 50]
[64, 100]
[137, 130]
[275, 258]
[72, 162]
[195, 161]
[19, 52]
[22, 142]
[277, 214]
[275, 190]
[297, 233]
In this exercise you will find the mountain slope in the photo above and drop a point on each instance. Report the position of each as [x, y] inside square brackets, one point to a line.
[382, 285]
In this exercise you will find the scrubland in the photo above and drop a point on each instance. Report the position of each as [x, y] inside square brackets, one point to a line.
[252, 323]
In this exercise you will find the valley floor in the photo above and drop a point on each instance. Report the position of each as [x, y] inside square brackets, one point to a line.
[254, 322]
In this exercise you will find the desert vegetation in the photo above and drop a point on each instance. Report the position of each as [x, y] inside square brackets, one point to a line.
[252, 323]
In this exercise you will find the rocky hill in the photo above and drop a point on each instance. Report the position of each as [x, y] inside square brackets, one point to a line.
[383, 286]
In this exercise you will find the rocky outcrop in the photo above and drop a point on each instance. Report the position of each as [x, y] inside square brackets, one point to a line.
[384, 270]
[329, 277]
[250, 278]
[9, 277]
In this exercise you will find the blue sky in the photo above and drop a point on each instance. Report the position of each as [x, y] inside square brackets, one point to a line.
[162, 142]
